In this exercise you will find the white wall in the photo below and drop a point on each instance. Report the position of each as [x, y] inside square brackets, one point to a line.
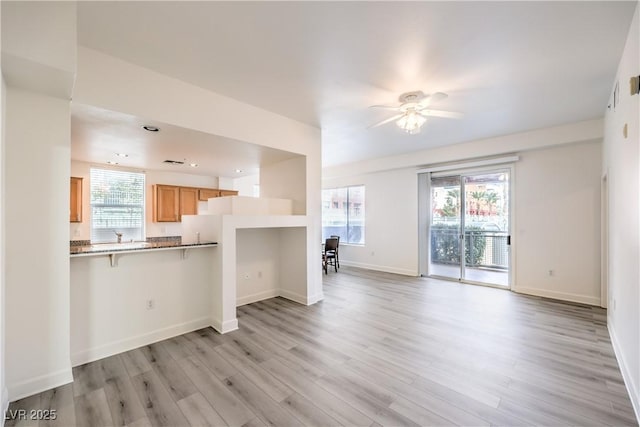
[38, 65]
[278, 181]
[109, 311]
[246, 184]
[37, 208]
[557, 222]
[258, 264]
[4, 395]
[621, 167]
[391, 222]
[39, 46]
[82, 231]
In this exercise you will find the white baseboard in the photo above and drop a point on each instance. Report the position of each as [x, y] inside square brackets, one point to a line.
[383, 268]
[39, 384]
[624, 368]
[271, 293]
[226, 326]
[300, 299]
[116, 347]
[583, 299]
[315, 298]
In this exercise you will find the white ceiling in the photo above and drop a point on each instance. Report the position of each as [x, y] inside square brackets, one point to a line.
[97, 135]
[508, 66]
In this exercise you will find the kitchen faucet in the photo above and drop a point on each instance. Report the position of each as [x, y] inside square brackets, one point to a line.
[119, 236]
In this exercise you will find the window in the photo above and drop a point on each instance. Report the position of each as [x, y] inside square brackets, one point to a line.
[348, 221]
[117, 205]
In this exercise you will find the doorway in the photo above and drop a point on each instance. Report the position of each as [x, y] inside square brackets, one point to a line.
[469, 227]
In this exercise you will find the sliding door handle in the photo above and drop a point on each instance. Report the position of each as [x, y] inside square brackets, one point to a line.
[509, 240]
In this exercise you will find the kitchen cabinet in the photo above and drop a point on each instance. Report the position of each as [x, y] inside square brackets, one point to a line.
[228, 193]
[205, 194]
[170, 202]
[75, 207]
[166, 203]
[188, 201]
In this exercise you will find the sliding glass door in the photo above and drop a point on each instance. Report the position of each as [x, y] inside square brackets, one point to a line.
[469, 227]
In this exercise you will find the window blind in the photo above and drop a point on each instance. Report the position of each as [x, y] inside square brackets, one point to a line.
[117, 205]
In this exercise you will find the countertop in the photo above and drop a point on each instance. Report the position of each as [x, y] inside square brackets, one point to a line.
[109, 248]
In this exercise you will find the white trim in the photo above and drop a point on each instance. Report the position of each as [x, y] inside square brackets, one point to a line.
[315, 298]
[295, 297]
[624, 369]
[270, 293]
[120, 346]
[375, 267]
[465, 165]
[39, 384]
[563, 296]
[226, 326]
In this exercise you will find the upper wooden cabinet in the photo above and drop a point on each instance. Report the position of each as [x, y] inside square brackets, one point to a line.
[228, 193]
[166, 203]
[188, 201]
[170, 202]
[205, 194]
[75, 207]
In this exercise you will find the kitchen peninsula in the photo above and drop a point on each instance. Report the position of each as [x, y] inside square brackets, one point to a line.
[242, 250]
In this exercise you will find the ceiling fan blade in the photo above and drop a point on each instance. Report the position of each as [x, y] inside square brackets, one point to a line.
[387, 107]
[440, 113]
[390, 119]
[434, 97]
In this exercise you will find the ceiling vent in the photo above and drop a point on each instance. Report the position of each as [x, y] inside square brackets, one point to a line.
[174, 162]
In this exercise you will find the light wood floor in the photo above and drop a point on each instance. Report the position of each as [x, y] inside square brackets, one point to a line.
[380, 349]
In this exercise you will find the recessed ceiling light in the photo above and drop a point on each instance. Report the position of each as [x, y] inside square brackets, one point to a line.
[193, 165]
[238, 170]
[150, 128]
[122, 155]
[112, 163]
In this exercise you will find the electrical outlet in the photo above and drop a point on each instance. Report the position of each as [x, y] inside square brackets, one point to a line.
[247, 276]
[551, 273]
[151, 304]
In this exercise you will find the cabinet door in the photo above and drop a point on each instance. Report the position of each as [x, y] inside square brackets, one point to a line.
[205, 194]
[228, 193]
[166, 203]
[75, 208]
[188, 201]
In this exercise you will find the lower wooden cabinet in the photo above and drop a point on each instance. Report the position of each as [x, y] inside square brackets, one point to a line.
[75, 207]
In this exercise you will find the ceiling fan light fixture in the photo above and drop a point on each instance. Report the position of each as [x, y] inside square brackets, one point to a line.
[411, 122]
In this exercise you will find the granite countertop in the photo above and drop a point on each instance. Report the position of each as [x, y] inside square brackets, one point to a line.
[106, 248]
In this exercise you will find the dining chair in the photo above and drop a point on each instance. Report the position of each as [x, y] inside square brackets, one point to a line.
[329, 254]
[337, 249]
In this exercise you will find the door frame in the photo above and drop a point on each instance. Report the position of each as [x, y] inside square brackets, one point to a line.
[424, 219]
[604, 241]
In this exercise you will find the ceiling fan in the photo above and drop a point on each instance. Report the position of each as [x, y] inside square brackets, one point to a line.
[414, 110]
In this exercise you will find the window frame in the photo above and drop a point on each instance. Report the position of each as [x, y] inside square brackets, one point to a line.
[138, 235]
[346, 208]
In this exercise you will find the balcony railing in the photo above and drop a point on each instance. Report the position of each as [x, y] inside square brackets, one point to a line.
[483, 249]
